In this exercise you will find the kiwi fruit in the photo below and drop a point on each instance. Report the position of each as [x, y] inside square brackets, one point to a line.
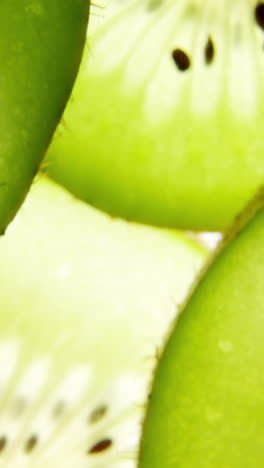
[206, 407]
[166, 122]
[85, 300]
[41, 43]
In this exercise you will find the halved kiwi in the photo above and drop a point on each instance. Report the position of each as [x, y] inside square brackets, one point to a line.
[166, 121]
[85, 301]
[206, 407]
[40, 49]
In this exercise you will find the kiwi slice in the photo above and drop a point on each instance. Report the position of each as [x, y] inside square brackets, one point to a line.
[40, 49]
[85, 301]
[166, 121]
[206, 408]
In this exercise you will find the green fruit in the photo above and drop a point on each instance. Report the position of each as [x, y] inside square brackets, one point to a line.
[41, 42]
[207, 406]
[85, 301]
[166, 124]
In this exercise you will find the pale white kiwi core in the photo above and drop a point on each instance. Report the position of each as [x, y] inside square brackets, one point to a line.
[85, 300]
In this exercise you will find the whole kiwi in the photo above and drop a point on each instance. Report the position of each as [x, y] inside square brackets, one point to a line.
[41, 43]
[206, 407]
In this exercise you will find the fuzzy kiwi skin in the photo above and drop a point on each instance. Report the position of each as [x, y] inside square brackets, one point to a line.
[41, 43]
[207, 407]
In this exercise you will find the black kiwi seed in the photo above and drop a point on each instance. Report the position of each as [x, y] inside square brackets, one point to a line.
[181, 59]
[101, 446]
[259, 15]
[209, 51]
[3, 443]
[97, 414]
[31, 443]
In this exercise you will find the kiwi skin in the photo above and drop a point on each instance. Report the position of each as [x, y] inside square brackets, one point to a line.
[40, 50]
[151, 139]
[206, 404]
[88, 297]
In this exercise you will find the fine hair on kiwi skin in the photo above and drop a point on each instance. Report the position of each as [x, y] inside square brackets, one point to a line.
[179, 105]
[246, 215]
[72, 387]
[252, 210]
[96, 10]
[38, 75]
[241, 220]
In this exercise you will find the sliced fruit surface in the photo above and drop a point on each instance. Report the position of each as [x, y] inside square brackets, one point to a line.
[85, 301]
[166, 121]
[41, 42]
[206, 409]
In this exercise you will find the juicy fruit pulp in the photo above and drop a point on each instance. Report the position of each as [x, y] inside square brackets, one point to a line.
[40, 49]
[84, 301]
[207, 405]
[166, 124]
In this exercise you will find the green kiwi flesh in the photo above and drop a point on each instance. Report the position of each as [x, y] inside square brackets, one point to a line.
[166, 121]
[41, 42]
[85, 301]
[206, 407]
